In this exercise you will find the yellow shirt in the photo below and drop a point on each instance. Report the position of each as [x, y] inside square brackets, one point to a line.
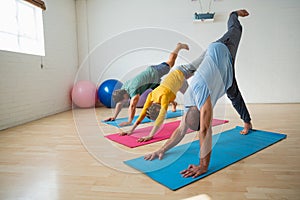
[163, 95]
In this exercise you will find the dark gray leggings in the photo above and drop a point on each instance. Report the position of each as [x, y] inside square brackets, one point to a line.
[232, 39]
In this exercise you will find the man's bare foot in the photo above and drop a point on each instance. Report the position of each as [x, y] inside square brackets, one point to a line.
[183, 46]
[174, 105]
[242, 13]
[247, 127]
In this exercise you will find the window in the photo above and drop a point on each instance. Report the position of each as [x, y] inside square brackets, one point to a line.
[21, 27]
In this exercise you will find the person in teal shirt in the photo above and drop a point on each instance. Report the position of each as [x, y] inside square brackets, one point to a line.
[149, 78]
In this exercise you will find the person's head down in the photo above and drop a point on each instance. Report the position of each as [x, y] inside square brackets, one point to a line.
[120, 95]
[153, 111]
[192, 119]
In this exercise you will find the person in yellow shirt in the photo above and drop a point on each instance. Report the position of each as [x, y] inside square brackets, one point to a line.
[157, 102]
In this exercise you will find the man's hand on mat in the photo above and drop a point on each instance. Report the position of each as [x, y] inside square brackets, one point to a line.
[125, 133]
[145, 139]
[194, 171]
[151, 156]
[110, 119]
[247, 127]
[125, 124]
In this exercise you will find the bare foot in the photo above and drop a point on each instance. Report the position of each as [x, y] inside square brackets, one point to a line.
[247, 127]
[174, 105]
[242, 13]
[183, 46]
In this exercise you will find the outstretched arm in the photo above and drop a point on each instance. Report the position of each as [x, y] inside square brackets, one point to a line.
[131, 110]
[176, 137]
[131, 130]
[150, 136]
[205, 137]
[159, 120]
[118, 108]
[147, 104]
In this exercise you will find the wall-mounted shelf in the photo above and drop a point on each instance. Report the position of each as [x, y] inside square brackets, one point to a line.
[204, 17]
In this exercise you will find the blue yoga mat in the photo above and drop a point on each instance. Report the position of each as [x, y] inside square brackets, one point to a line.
[228, 147]
[170, 114]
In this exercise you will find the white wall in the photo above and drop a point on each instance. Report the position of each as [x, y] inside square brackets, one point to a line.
[267, 61]
[28, 92]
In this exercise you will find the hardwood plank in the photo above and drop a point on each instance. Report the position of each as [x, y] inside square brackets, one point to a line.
[46, 159]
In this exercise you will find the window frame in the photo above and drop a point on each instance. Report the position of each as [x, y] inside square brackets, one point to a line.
[21, 36]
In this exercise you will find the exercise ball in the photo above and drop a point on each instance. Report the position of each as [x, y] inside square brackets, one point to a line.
[106, 90]
[84, 94]
[143, 98]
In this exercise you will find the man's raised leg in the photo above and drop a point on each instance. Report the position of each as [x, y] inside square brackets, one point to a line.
[231, 39]
[234, 32]
[173, 55]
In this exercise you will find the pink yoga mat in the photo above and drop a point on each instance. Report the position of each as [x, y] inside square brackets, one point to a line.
[164, 133]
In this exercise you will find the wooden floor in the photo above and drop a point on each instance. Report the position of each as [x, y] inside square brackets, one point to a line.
[66, 157]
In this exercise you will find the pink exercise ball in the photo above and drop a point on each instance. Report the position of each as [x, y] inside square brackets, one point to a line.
[84, 94]
[143, 98]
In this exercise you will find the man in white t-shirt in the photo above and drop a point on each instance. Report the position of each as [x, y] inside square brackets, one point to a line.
[214, 77]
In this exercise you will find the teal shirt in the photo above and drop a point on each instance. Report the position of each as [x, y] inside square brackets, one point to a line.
[149, 78]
